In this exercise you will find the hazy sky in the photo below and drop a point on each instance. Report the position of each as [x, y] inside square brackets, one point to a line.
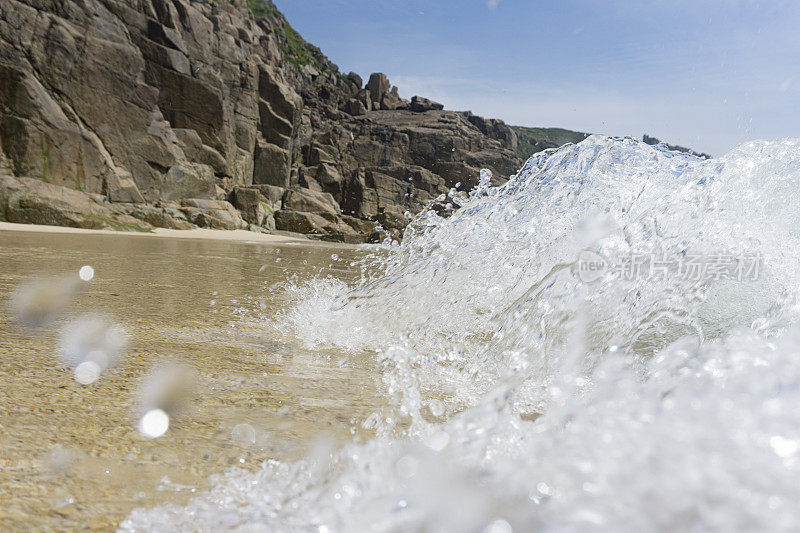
[705, 74]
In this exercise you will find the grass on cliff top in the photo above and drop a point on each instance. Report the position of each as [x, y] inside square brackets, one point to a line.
[258, 7]
[532, 140]
[294, 48]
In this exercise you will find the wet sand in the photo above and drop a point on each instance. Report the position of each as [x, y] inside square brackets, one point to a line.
[70, 455]
[199, 233]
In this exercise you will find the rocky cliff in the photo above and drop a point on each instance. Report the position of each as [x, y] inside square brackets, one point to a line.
[132, 114]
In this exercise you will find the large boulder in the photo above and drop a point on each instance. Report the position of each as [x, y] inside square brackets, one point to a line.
[391, 101]
[326, 227]
[377, 86]
[214, 214]
[32, 201]
[420, 105]
[310, 201]
[271, 165]
[355, 108]
[258, 204]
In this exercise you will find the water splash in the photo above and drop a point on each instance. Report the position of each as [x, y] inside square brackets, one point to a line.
[628, 403]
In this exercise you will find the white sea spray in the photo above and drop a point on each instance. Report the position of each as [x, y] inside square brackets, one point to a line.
[630, 402]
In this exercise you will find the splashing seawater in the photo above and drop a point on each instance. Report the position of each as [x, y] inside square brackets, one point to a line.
[657, 395]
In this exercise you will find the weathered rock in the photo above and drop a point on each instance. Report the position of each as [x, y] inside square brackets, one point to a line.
[158, 217]
[120, 187]
[391, 101]
[274, 195]
[420, 105]
[494, 129]
[258, 204]
[392, 217]
[195, 150]
[378, 85]
[355, 108]
[329, 179]
[251, 203]
[32, 201]
[327, 226]
[365, 227]
[364, 97]
[310, 201]
[189, 180]
[356, 79]
[271, 165]
[215, 214]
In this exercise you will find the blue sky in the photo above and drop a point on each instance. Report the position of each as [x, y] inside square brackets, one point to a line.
[705, 74]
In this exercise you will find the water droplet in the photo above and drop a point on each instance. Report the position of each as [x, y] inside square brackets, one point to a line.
[243, 434]
[438, 441]
[37, 303]
[86, 273]
[92, 339]
[87, 372]
[498, 526]
[154, 423]
[436, 407]
[60, 459]
[166, 387]
[783, 447]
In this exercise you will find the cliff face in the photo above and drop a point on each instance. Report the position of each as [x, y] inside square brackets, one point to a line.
[178, 113]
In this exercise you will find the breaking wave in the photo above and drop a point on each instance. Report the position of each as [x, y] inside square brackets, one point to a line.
[657, 393]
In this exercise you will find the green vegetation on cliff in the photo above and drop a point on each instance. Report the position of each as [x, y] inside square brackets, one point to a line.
[532, 140]
[653, 141]
[259, 8]
[294, 48]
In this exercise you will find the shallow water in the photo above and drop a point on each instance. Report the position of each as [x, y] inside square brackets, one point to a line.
[71, 454]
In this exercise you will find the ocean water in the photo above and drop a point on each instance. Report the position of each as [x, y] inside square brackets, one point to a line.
[607, 342]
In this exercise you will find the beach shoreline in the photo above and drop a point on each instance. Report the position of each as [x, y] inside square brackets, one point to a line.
[242, 236]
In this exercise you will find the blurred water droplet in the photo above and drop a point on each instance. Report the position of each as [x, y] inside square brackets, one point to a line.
[335, 257]
[438, 441]
[92, 339]
[37, 303]
[86, 273]
[87, 372]
[166, 386]
[243, 434]
[60, 459]
[498, 526]
[154, 423]
[436, 407]
[783, 447]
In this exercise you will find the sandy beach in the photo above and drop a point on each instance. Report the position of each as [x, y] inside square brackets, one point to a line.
[199, 233]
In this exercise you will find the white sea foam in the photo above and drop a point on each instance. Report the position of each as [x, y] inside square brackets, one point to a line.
[626, 403]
